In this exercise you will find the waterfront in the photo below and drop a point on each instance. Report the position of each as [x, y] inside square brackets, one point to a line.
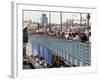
[56, 39]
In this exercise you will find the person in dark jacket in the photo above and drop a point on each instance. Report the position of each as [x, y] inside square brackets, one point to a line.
[25, 41]
[84, 38]
[25, 35]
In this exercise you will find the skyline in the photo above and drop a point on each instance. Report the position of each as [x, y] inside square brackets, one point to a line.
[55, 16]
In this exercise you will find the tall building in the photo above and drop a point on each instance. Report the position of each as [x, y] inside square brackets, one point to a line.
[44, 20]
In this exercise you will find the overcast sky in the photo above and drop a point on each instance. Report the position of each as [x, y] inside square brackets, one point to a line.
[55, 16]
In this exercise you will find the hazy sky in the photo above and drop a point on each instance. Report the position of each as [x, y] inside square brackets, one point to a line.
[55, 16]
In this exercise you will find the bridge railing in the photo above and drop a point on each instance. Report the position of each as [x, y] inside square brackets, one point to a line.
[74, 53]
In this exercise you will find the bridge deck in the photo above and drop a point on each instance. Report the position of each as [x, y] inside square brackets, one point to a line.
[73, 52]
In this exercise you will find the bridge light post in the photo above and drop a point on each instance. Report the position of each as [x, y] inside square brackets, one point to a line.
[88, 21]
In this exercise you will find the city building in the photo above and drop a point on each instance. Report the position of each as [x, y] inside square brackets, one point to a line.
[44, 20]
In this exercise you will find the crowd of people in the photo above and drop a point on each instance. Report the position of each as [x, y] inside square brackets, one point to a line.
[82, 37]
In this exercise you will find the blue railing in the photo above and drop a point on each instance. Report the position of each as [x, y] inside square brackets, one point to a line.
[74, 53]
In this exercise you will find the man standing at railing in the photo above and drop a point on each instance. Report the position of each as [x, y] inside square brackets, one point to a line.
[90, 38]
[25, 40]
[77, 37]
[84, 38]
